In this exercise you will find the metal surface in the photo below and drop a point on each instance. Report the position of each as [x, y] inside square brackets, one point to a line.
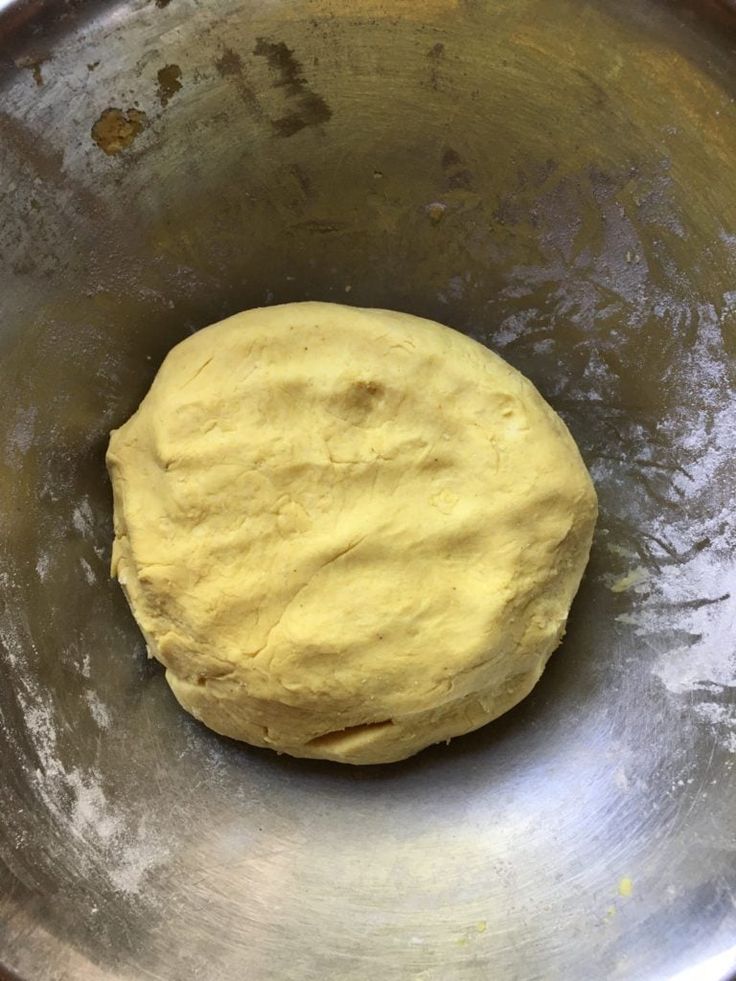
[557, 179]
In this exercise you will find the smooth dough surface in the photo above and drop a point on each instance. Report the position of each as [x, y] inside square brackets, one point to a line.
[347, 533]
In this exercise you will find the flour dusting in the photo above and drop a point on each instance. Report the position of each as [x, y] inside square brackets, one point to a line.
[98, 710]
[102, 834]
[22, 433]
[90, 812]
[641, 367]
[10, 633]
[686, 605]
[83, 518]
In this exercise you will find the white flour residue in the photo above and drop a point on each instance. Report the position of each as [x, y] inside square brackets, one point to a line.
[704, 592]
[89, 573]
[721, 720]
[665, 475]
[9, 640]
[98, 710]
[90, 812]
[43, 563]
[95, 831]
[697, 602]
[21, 434]
[688, 605]
[83, 518]
[129, 873]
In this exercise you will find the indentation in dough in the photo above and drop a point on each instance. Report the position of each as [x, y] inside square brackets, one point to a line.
[357, 401]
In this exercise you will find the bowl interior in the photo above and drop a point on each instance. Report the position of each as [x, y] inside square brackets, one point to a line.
[557, 180]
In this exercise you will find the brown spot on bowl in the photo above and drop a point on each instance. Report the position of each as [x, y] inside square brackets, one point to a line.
[169, 83]
[116, 129]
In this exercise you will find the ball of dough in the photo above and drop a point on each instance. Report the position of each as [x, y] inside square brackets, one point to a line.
[347, 533]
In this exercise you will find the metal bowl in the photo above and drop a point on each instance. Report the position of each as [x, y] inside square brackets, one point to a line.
[556, 179]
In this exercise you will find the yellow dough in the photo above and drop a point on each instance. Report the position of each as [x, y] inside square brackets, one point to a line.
[347, 533]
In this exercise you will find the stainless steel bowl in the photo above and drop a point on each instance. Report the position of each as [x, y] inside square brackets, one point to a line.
[557, 179]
